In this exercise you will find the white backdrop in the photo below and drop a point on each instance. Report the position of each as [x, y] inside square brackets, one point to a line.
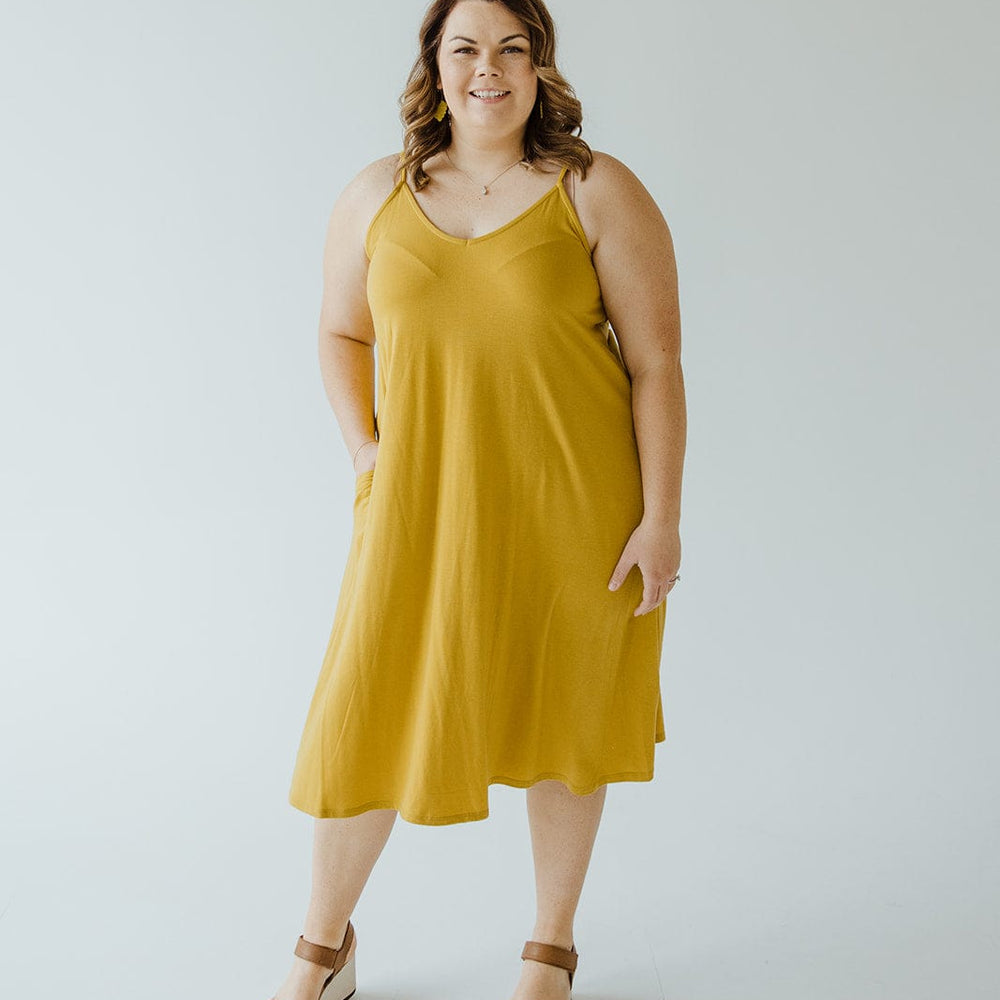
[177, 501]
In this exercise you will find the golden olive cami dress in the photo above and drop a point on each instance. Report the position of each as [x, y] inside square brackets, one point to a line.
[474, 639]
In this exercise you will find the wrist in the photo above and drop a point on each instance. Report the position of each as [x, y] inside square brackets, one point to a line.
[357, 451]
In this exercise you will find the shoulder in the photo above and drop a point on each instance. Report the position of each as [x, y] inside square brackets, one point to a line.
[612, 198]
[366, 191]
[609, 181]
[375, 181]
[607, 169]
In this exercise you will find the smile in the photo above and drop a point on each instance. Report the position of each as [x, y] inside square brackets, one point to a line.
[489, 96]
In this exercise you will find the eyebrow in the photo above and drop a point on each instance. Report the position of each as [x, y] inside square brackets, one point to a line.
[462, 38]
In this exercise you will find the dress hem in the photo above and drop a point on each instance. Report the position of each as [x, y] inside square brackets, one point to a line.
[480, 814]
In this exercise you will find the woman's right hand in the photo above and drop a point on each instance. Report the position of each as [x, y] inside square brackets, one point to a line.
[365, 458]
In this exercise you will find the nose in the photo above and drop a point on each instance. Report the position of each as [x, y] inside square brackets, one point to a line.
[487, 67]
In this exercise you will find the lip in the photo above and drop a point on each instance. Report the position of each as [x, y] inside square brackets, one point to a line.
[490, 100]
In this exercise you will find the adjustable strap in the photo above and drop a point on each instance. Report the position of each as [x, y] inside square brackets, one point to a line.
[329, 958]
[552, 954]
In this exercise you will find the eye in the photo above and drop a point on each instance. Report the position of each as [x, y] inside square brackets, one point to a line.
[507, 48]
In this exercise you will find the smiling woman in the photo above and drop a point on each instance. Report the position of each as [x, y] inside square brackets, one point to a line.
[517, 467]
[538, 99]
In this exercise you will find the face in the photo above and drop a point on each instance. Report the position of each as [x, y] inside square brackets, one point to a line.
[484, 47]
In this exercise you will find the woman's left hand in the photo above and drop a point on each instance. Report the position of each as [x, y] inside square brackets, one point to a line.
[656, 550]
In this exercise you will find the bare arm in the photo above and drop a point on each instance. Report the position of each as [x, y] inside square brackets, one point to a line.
[634, 260]
[346, 332]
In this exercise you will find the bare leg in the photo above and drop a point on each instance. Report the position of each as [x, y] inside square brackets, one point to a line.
[344, 854]
[563, 830]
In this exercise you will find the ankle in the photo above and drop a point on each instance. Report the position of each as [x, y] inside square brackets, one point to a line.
[327, 935]
[560, 936]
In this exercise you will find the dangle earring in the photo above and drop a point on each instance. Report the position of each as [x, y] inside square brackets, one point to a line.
[541, 112]
[442, 108]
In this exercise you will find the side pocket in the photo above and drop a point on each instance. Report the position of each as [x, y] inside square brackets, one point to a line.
[362, 496]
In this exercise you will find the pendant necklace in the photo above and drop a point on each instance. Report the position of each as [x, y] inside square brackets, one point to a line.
[486, 187]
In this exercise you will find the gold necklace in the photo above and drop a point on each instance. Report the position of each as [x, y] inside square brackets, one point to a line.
[486, 187]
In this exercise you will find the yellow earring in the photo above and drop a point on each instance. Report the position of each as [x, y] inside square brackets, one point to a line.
[442, 110]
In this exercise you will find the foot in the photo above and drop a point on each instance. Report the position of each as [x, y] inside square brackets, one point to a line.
[540, 981]
[305, 979]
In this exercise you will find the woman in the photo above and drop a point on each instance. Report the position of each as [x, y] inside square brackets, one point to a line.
[522, 462]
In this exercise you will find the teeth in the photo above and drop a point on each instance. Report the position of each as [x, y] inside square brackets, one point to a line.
[489, 93]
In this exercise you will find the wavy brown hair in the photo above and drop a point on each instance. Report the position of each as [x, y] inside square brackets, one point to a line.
[552, 128]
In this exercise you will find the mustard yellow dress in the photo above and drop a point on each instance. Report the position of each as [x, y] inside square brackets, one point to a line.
[475, 640]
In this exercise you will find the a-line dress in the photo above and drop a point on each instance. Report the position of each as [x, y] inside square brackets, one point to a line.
[474, 639]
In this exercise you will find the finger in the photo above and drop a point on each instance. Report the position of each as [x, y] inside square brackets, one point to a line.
[625, 564]
[645, 605]
[651, 597]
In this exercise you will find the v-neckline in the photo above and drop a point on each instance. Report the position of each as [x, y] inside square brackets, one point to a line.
[485, 236]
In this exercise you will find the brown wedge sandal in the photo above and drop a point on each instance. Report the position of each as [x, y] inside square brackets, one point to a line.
[341, 983]
[552, 954]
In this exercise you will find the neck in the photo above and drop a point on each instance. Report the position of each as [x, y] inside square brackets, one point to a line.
[484, 156]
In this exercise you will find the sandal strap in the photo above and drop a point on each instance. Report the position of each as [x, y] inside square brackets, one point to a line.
[552, 954]
[329, 958]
